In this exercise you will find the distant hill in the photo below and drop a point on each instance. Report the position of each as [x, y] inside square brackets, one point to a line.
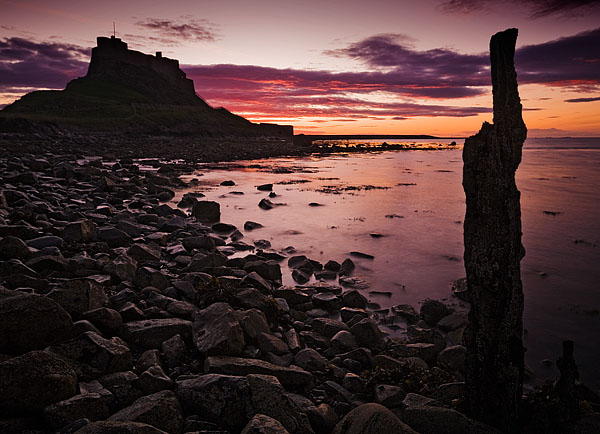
[129, 91]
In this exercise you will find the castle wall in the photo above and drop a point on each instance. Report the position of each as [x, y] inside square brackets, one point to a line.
[113, 49]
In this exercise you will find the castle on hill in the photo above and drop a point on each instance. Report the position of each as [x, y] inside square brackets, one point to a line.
[126, 90]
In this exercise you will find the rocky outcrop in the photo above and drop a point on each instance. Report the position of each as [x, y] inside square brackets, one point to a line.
[493, 249]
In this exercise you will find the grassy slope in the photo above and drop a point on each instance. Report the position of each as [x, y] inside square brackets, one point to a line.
[100, 105]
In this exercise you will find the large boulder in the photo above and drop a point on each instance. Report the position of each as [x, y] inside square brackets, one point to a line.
[206, 211]
[91, 406]
[288, 376]
[77, 296]
[80, 231]
[433, 310]
[223, 399]
[14, 248]
[262, 424]
[150, 334]
[216, 330]
[269, 398]
[30, 382]
[367, 334]
[161, 410]
[114, 427]
[30, 322]
[95, 354]
[438, 420]
[372, 419]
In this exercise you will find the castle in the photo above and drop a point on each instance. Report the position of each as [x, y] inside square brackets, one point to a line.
[111, 55]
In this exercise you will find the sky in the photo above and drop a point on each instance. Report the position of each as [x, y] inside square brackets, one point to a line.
[331, 66]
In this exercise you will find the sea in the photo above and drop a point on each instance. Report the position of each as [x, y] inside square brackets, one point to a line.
[405, 208]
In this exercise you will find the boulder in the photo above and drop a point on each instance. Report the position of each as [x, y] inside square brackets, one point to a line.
[206, 211]
[311, 360]
[154, 380]
[270, 398]
[288, 376]
[216, 330]
[439, 420]
[91, 406]
[372, 419]
[151, 333]
[161, 410]
[107, 320]
[95, 354]
[223, 399]
[77, 296]
[271, 344]
[122, 267]
[30, 322]
[13, 248]
[30, 382]
[452, 359]
[253, 322]
[354, 299]
[433, 310]
[113, 427]
[328, 327]
[80, 231]
[262, 424]
[367, 334]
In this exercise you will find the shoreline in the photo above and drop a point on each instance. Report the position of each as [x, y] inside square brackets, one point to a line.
[137, 309]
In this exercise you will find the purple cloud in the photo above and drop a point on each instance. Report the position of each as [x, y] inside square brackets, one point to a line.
[184, 29]
[537, 8]
[597, 98]
[572, 61]
[28, 64]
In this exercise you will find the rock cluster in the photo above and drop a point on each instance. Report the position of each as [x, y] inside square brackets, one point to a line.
[121, 313]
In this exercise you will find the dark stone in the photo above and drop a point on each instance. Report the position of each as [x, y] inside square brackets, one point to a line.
[265, 187]
[151, 333]
[91, 406]
[99, 355]
[206, 211]
[271, 399]
[433, 310]
[31, 322]
[266, 204]
[289, 377]
[372, 419]
[114, 427]
[14, 248]
[493, 249]
[161, 410]
[224, 399]
[30, 382]
[250, 226]
[347, 267]
[216, 330]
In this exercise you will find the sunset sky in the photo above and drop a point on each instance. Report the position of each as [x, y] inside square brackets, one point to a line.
[331, 66]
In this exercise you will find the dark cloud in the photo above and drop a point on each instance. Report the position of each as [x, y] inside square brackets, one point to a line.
[597, 98]
[537, 8]
[29, 64]
[571, 62]
[176, 31]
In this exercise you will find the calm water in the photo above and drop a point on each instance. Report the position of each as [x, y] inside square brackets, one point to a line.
[415, 200]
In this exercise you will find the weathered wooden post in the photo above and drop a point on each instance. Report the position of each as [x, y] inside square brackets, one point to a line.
[493, 250]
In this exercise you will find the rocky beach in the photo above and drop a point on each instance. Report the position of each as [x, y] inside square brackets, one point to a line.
[121, 313]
